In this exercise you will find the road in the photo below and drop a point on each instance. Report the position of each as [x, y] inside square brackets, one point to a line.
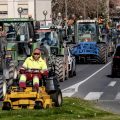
[94, 82]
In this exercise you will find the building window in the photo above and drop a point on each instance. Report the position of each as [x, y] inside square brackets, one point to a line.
[25, 11]
[3, 12]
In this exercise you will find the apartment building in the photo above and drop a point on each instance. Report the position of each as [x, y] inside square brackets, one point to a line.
[9, 9]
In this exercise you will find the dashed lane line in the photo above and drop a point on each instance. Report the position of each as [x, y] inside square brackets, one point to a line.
[112, 83]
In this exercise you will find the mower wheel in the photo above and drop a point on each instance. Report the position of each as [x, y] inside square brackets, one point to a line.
[38, 105]
[6, 106]
[57, 98]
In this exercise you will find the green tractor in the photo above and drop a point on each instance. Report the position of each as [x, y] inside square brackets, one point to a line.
[58, 55]
[19, 45]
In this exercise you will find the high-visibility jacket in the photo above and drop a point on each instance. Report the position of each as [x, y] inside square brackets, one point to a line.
[30, 63]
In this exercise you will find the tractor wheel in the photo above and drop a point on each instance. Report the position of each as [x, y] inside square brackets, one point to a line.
[59, 69]
[38, 105]
[57, 98]
[102, 53]
[6, 106]
[11, 73]
[3, 88]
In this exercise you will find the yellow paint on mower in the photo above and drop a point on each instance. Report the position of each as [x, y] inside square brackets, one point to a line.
[27, 99]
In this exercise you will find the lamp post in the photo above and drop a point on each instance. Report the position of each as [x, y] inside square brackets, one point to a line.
[20, 10]
[45, 14]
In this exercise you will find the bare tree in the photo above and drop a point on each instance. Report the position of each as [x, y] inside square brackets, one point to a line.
[85, 8]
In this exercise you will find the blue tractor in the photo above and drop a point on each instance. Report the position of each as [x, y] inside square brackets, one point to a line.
[89, 47]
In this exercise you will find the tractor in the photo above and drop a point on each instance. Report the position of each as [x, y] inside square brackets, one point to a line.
[19, 44]
[47, 96]
[88, 47]
[57, 51]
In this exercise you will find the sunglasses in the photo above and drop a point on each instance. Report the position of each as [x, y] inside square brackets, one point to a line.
[36, 53]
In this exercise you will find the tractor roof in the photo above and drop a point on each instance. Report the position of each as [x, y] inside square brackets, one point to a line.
[86, 21]
[7, 20]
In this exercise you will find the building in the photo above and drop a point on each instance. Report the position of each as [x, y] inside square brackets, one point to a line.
[9, 9]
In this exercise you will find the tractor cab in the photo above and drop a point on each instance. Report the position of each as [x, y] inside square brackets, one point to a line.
[48, 38]
[19, 34]
[86, 31]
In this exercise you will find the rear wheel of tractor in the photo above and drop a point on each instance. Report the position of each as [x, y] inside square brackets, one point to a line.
[59, 69]
[11, 73]
[102, 53]
[57, 98]
[3, 88]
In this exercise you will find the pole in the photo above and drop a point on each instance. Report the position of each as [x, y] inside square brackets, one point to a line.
[97, 10]
[20, 15]
[66, 11]
[35, 9]
[45, 20]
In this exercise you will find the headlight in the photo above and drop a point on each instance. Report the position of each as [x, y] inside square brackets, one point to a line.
[8, 56]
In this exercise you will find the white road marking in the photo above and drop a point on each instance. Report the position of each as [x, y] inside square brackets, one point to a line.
[112, 83]
[117, 96]
[75, 86]
[68, 92]
[93, 95]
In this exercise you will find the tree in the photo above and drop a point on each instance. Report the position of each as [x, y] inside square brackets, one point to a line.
[85, 8]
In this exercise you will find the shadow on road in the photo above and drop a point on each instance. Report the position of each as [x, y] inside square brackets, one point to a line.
[111, 76]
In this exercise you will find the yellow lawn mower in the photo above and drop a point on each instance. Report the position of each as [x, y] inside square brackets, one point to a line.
[47, 96]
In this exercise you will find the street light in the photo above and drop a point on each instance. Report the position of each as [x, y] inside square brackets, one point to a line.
[45, 14]
[20, 10]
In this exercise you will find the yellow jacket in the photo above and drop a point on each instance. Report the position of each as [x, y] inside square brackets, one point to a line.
[30, 63]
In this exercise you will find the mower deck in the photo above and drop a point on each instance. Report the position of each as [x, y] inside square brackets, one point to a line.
[27, 99]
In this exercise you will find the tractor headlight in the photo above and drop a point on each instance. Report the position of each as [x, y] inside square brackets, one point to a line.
[8, 56]
[54, 50]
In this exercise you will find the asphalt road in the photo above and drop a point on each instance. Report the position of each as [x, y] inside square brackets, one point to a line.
[94, 82]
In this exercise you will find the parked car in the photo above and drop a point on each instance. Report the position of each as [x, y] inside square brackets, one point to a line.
[115, 71]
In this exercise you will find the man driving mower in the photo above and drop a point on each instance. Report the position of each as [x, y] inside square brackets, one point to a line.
[33, 62]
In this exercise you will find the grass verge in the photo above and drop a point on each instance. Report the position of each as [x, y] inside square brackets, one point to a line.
[72, 109]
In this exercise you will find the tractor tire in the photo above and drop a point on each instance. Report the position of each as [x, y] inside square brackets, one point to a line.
[11, 73]
[3, 88]
[102, 56]
[59, 69]
[57, 98]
